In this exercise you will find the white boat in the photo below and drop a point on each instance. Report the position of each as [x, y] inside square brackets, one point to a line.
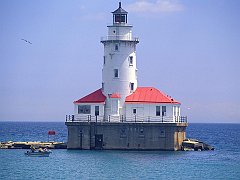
[38, 154]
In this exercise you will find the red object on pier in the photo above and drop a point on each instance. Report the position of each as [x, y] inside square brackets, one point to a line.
[51, 132]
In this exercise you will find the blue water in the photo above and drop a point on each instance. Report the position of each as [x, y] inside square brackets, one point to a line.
[223, 163]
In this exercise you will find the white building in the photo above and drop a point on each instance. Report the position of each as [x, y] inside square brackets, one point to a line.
[120, 99]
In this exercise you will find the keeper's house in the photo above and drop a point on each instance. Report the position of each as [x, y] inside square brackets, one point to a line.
[121, 115]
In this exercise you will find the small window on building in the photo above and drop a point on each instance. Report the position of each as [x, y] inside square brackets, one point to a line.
[116, 47]
[164, 111]
[104, 60]
[96, 110]
[130, 60]
[84, 109]
[103, 86]
[134, 111]
[116, 73]
[132, 86]
[158, 111]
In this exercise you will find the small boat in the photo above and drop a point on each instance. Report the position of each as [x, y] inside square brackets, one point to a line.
[38, 153]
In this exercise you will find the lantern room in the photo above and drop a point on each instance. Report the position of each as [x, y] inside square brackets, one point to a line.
[120, 15]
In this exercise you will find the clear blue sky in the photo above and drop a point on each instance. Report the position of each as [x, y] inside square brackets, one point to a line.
[188, 49]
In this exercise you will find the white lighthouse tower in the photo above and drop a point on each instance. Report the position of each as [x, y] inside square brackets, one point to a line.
[119, 73]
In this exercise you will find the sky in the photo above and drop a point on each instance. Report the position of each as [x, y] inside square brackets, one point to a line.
[188, 49]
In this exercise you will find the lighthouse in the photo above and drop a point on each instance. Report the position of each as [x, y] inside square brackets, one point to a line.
[120, 114]
[119, 73]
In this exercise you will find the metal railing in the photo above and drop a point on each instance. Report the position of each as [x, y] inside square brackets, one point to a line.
[130, 119]
[84, 118]
[119, 37]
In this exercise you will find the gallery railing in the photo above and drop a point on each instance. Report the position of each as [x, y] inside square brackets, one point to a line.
[130, 119]
[119, 37]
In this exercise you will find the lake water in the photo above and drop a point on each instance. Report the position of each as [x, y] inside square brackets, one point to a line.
[223, 163]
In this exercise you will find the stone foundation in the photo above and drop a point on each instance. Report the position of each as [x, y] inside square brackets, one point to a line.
[126, 136]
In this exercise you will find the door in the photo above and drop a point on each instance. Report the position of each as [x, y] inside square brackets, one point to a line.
[138, 113]
[98, 141]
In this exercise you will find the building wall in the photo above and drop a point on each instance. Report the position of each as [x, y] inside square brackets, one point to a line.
[85, 117]
[126, 136]
[147, 112]
[75, 132]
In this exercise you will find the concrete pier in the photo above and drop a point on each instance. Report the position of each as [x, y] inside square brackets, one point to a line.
[126, 136]
[27, 145]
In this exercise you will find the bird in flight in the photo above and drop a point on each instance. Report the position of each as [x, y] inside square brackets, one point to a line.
[26, 41]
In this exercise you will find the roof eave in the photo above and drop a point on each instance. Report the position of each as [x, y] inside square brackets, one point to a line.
[147, 102]
[92, 102]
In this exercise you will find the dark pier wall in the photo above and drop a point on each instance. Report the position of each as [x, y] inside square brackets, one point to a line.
[126, 136]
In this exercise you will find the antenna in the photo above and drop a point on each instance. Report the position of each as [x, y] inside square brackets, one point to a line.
[120, 4]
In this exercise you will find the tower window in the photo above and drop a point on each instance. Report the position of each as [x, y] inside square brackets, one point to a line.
[130, 60]
[132, 86]
[116, 47]
[116, 73]
[103, 86]
[104, 60]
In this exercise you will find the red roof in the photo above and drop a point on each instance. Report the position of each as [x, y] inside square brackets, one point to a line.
[149, 95]
[115, 95]
[95, 97]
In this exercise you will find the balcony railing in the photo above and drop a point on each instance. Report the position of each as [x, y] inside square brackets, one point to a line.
[130, 119]
[119, 37]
